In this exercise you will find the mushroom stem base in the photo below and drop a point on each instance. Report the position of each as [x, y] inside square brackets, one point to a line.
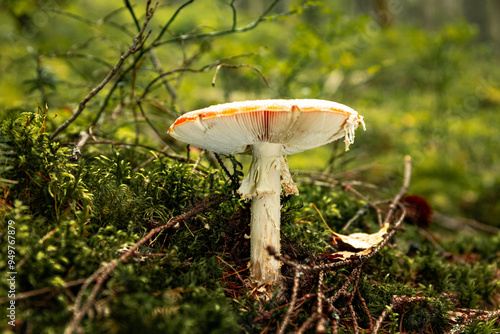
[263, 181]
[264, 232]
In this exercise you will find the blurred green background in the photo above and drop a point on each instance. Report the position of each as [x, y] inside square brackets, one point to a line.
[424, 75]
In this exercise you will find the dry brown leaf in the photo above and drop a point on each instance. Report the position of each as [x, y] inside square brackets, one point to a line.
[358, 241]
[358, 244]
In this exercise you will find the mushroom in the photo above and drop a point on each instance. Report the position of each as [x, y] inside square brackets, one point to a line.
[272, 129]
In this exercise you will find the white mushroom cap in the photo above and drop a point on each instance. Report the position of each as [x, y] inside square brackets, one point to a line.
[296, 124]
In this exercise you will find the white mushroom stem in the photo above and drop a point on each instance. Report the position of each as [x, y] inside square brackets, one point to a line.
[262, 185]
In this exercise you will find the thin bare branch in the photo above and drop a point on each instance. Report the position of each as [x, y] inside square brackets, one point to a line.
[463, 224]
[235, 18]
[102, 274]
[402, 190]
[202, 69]
[132, 13]
[236, 272]
[42, 291]
[320, 325]
[136, 45]
[105, 19]
[348, 186]
[238, 66]
[172, 18]
[246, 28]
[115, 143]
[143, 113]
[349, 287]
[305, 326]
[291, 305]
[176, 39]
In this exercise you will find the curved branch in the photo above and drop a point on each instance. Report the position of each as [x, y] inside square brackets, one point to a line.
[177, 39]
[167, 25]
[248, 27]
[101, 275]
[136, 46]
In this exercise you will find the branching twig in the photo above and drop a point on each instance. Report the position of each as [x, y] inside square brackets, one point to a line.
[365, 307]
[143, 113]
[291, 305]
[246, 28]
[469, 315]
[233, 10]
[380, 319]
[102, 274]
[397, 303]
[320, 326]
[463, 224]
[106, 19]
[235, 271]
[197, 162]
[78, 312]
[132, 13]
[136, 45]
[205, 68]
[345, 262]
[352, 313]
[238, 66]
[305, 326]
[402, 190]
[349, 187]
[349, 281]
[115, 143]
[167, 25]
[177, 39]
[41, 291]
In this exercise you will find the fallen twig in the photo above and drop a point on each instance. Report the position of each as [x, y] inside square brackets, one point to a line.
[33, 293]
[291, 305]
[394, 216]
[101, 275]
[463, 224]
[235, 271]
